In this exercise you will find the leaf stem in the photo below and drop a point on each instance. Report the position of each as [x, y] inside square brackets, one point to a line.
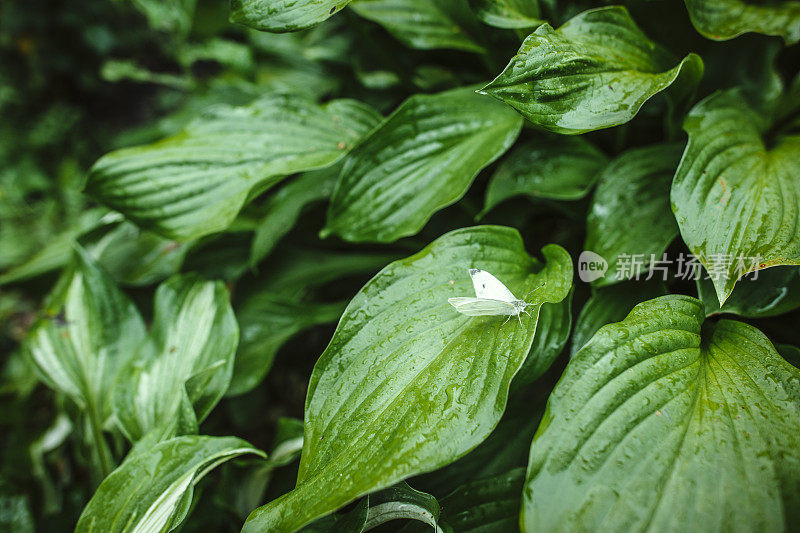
[105, 461]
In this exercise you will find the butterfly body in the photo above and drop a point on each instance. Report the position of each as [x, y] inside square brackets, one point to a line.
[492, 298]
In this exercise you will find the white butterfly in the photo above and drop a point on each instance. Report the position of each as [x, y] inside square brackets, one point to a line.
[491, 298]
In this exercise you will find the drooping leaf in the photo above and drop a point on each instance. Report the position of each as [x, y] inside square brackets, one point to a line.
[407, 384]
[726, 19]
[507, 13]
[284, 208]
[774, 291]
[611, 304]
[184, 370]
[661, 421]
[402, 502]
[425, 24]
[136, 257]
[196, 182]
[634, 187]
[352, 521]
[735, 196]
[268, 321]
[552, 333]
[488, 505]
[152, 490]
[92, 333]
[283, 15]
[277, 309]
[557, 167]
[593, 72]
[58, 251]
[421, 159]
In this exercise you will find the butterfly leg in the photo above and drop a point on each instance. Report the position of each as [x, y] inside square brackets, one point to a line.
[520, 319]
[507, 319]
[527, 313]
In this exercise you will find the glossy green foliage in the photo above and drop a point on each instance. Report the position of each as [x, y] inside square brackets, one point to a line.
[183, 369]
[246, 219]
[555, 167]
[425, 24]
[770, 292]
[283, 15]
[635, 186]
[196, 182]
[735, 197]
[593, 72]
[421, 159]
[662, 420]
[152, 490]
[507, 13]
[726, 19]
[440, 381]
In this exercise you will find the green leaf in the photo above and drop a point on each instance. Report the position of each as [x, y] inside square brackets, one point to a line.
[486, 505]
[611, 304]
[277, 310]
[422, 158]
[442, 378]
[593, 72]
[633, 187]
[775, 291]
[505, 449]
[662, 421]
[552, 333]
[196, 182]
[725, 19]
[425, 24]
[283, 15]
[285, 206]
[58, 251]
[136, 257]
[557, 167]
[402, 502]
[507, 13]
[152, 490]
[172, 16]
[92, 333]
[267, 322]
[735, 196]
[179, 376]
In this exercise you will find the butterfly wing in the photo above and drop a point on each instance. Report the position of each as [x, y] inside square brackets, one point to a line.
[489, 287]
[481, 306]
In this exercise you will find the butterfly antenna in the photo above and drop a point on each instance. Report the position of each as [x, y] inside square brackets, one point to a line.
[534, 289]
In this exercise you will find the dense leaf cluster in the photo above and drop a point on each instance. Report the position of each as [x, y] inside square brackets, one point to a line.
[229, 233]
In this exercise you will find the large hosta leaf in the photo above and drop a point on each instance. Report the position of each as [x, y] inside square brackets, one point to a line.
[634, 187]
[611, 304]
[181, 374]
[557, 167]
[407, 384]
[735, 196]
[152, 490]
[425, 24]
[196, 182]
[662, 421]
[726, 19]
[422, 158]
[593, 72]
[283, 15]
[507, 13]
